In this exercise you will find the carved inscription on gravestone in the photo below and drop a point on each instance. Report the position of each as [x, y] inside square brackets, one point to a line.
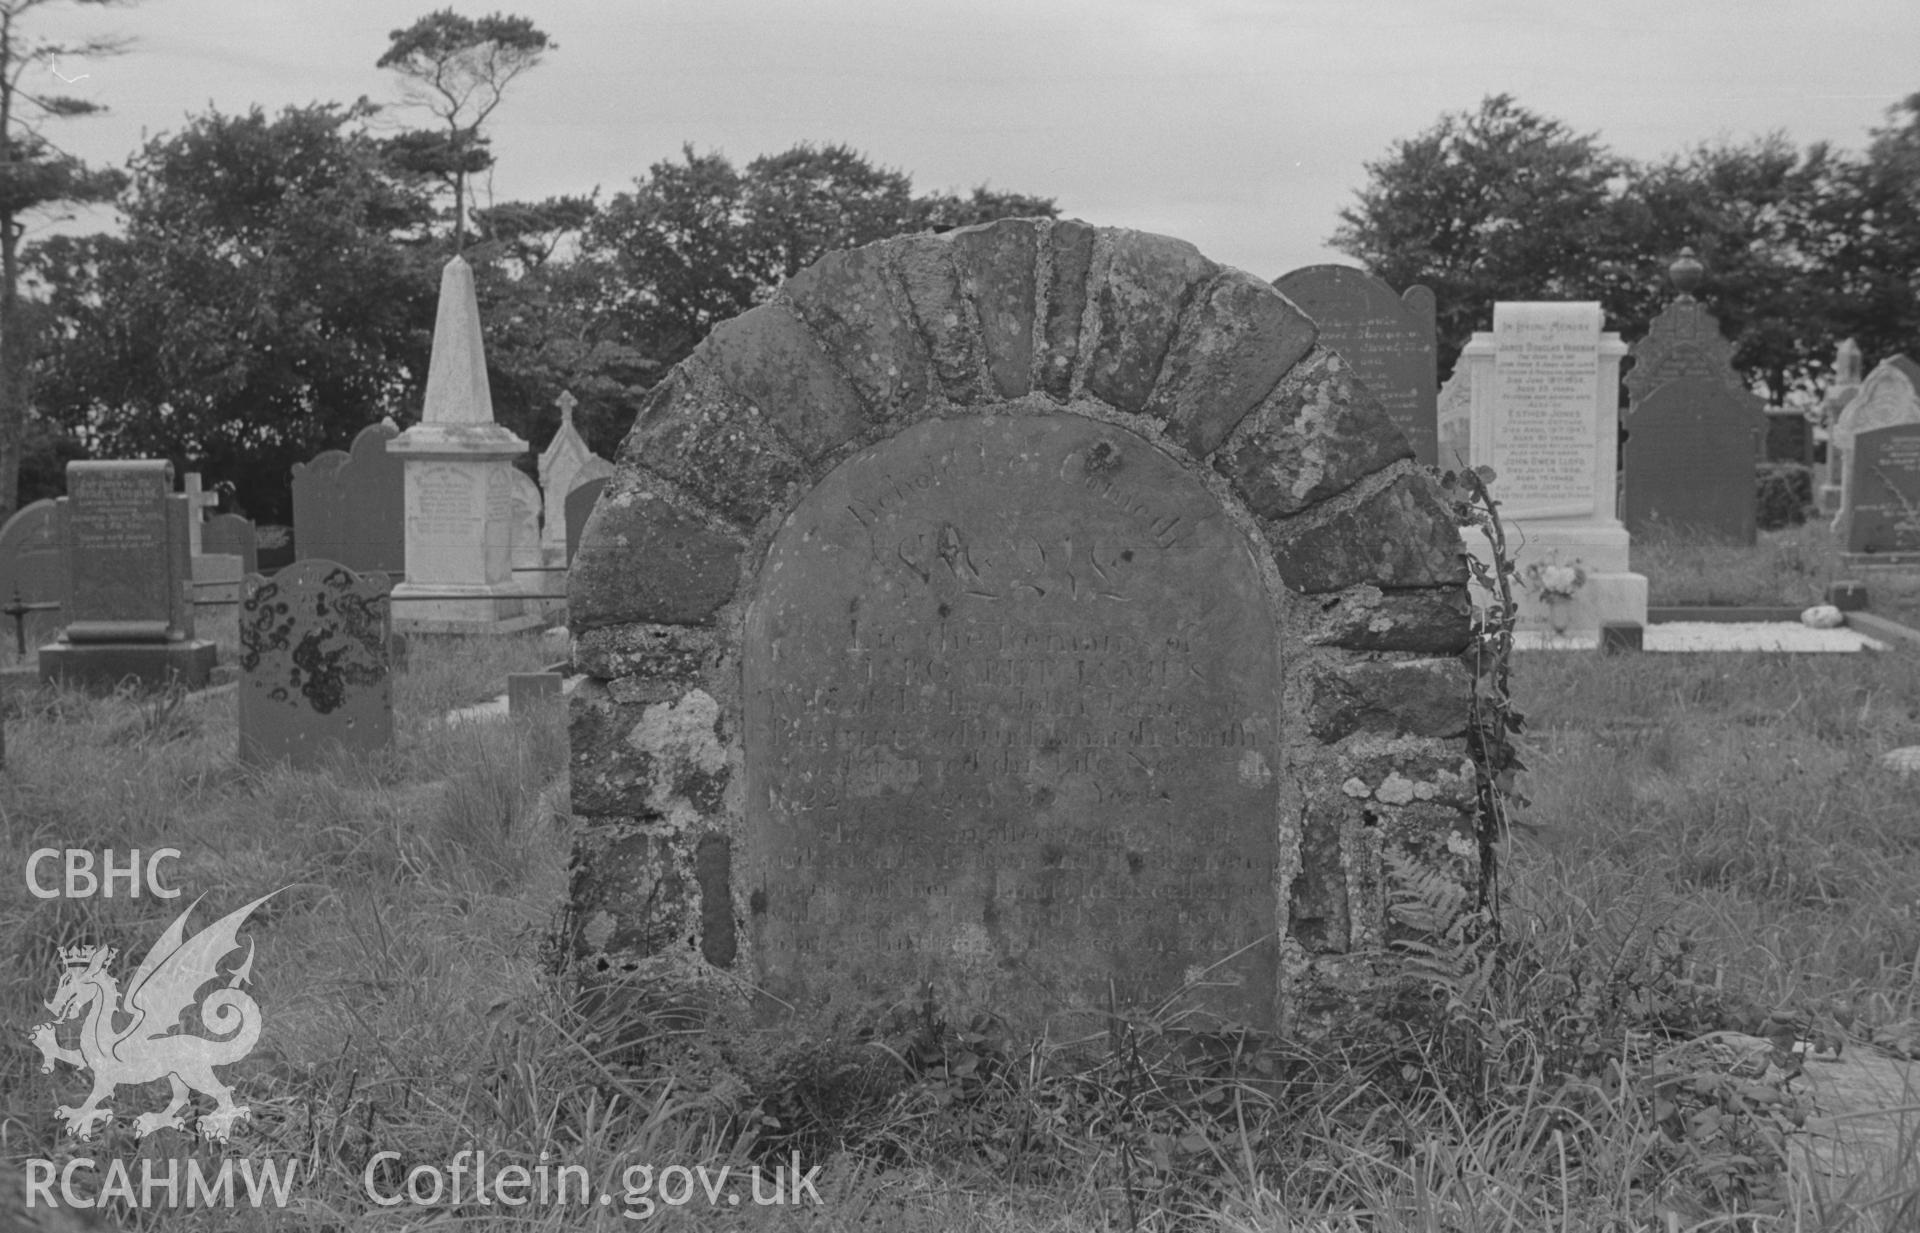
[1387, 337]
[1011, 691]
[1884, 515]
[122, 582]
[1546, 372]
[443, 504]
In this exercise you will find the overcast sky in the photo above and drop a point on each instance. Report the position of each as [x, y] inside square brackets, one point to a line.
[1240, 125]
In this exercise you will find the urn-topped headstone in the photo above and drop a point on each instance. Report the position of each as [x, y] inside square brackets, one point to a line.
[1032, 616]
[458, 484]
[1694, 432]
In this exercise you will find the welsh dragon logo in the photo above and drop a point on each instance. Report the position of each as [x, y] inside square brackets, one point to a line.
[152, 1044]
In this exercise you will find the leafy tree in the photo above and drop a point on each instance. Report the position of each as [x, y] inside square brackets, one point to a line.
[1495, 204]
[458, 68]
[1873, 262]
[35, 174]
[273, 293]
[1751, 213]
[698, 241]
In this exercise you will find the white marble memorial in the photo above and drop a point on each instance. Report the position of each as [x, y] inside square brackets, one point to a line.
[1545, 416]
[459, 487]
[565, 464]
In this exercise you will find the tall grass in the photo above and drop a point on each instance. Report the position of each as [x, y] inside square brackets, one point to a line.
[1710, 844]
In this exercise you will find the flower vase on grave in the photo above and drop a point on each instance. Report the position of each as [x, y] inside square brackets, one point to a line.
[1559, 612]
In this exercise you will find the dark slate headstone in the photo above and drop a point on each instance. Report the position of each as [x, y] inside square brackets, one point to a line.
[1010, 689]
[33, 569]
[579, 505]
[127, 545]
[350, 508]
[1883, 513]
[1789, 438]
[314, 664]
[233, 535]
[1387, 337]
[128, 610]
[1692, 445]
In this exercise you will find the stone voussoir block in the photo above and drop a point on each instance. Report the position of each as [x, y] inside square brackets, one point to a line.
[1434, 620]
[1413, 697]
[770, 357]
[715, 444]
[1147, 284]
[1317, 433]
[1400, 534]
[609, 777]
[995, 263]
[1233, 345]
[670, 656]
[1065, 262]
[851, 303]
[645, 559]
[946, 319]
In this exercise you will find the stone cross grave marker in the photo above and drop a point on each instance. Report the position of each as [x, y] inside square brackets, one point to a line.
[199, 503]
[314, 671]
[1883, 516]
[1387, 336]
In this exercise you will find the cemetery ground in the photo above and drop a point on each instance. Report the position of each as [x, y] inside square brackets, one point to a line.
[1710, 844]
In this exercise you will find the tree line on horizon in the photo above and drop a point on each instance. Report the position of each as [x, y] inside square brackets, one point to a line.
[272, 288]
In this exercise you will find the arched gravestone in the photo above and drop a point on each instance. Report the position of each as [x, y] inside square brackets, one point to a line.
[33, 570]
[1033, 611]
[1387, 336]
[350, 507]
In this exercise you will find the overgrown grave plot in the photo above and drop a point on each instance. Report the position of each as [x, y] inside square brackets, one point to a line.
[1721, 833]
[411, 891]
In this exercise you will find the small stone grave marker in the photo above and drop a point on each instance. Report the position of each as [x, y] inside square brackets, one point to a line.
[580, 504]
[314, 664]
[1883, 513]
[33, 570]
[232, 535]
[1387, 336]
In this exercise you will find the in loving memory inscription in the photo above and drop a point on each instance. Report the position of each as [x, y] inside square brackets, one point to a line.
[118, 520]
[1010, 720]
[1546, 366]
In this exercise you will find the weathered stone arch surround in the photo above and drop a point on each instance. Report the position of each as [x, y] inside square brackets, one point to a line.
[1021, 317]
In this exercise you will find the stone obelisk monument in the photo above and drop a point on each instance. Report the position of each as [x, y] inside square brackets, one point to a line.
[459, 487]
